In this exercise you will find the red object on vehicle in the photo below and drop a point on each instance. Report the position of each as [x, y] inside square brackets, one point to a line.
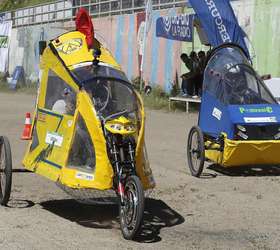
[85, 26]
[26, 135]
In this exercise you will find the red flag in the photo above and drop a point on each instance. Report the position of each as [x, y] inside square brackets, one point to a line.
[85, 26]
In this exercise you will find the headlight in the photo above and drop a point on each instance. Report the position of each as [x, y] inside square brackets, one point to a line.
[277, 136]
[242, 135]
[241, 128]
[130, 127]
[117, 127]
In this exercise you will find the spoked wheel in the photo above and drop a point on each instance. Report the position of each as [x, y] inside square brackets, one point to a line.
[131, 212]
[196, 151]
[5, 170]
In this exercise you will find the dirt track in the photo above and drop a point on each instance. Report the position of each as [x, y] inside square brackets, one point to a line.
[223, 210]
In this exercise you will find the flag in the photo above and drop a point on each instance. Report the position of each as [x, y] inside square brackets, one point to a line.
[219, 22]
[85, 26]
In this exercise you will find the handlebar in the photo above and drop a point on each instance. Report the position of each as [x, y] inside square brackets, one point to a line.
[114, 115]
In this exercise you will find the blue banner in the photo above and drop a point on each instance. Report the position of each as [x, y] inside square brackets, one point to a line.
[219, 22]
[178, 28]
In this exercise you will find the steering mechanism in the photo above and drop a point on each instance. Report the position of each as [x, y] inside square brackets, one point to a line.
[96, 55]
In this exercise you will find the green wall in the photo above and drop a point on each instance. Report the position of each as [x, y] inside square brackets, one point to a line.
[266, 36]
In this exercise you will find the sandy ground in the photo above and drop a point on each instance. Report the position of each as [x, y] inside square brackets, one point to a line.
[237, 209]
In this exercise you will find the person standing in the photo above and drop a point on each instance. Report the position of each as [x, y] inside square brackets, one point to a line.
[187, 86]
[202, 64]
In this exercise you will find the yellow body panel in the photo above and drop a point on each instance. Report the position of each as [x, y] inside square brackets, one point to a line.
[213, 155]
[124, 126]
[142, 163]
[73, 50]
[50, 159]
[103, 170]
[240, 153]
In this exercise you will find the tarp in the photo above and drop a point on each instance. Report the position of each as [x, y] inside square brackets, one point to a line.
[5, 34]
[178, 27]
[219, 22]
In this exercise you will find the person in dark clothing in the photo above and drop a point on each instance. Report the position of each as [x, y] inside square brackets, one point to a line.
[187, 60]
[187, 86]
[202, 64]
[202, 60]
[195, 80]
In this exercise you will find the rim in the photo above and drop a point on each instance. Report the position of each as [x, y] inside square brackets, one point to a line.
[129, 210]
[195, 151]
[2, 169]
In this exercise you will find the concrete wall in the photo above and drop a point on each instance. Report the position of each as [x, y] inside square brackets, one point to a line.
[24, 49]
[259, 19]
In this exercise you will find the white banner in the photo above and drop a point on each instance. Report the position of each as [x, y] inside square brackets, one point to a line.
[148, 23]
[5, 34]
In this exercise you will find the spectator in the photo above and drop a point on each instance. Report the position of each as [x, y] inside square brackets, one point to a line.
[195, 80]
[202, 61]
[202, 65]
[187, 87]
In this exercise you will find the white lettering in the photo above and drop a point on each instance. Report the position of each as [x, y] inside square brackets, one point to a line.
[218, 20]
[178, 25]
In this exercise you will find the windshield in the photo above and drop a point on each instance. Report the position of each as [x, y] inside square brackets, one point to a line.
[220, 61]
[108, 88]
[241, 85]
[111, 96]
[86, 73]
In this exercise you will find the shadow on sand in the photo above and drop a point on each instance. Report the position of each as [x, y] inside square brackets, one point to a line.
[18, 203]
[157, 215]
[247, 171]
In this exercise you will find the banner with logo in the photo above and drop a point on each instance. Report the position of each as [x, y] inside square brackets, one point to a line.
[178, 27]
[219, 22]
[5, 34]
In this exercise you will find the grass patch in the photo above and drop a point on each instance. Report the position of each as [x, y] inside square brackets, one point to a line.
[157, 99]
[27, 89]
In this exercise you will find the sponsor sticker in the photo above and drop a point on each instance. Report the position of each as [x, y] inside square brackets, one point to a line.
[84, 176]
[70, 46]
[41, 117]
[70, 123]
[260, 119]
[217, 113]
[54, 138]
[256, 110]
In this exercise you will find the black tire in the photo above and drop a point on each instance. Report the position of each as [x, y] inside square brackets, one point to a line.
[131, 213]
[5, 170]
[196, 151]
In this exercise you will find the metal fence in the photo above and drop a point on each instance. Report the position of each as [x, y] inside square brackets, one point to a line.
[66, 10]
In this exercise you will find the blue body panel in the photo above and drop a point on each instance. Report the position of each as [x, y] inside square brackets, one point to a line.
[210, 121]
[216, 117]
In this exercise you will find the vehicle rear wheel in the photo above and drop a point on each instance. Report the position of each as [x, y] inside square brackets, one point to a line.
[5, 170]
[131, 212]
[196, 151]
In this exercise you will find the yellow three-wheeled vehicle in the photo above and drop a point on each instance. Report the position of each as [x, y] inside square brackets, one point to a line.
[88, 128]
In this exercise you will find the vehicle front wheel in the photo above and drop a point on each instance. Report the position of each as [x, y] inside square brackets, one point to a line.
[196, 151]
[5, 170]
[131, 212]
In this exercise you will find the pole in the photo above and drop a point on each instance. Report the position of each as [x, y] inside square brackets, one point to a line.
[143, 55]
[149, 9]
[193, 33]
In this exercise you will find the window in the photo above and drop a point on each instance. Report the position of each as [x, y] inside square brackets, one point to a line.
[60, 97]
[82, 153]
[242, 86]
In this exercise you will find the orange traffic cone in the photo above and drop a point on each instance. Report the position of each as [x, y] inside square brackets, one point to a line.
[26, 135]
